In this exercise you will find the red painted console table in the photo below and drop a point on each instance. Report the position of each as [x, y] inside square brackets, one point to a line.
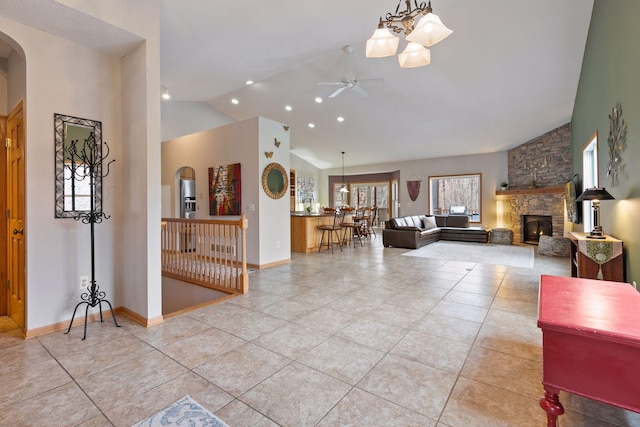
[590, 342]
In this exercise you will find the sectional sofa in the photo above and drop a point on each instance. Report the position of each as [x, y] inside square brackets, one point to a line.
[418, 230]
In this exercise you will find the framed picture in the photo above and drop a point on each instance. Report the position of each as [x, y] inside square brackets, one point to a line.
[225, 190]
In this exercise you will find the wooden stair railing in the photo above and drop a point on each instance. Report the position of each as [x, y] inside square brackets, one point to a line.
[209, 253]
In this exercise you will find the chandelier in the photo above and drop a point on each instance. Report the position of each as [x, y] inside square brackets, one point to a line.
[429, 31]
[343, 189]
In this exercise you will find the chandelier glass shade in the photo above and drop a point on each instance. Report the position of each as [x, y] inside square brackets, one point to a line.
[429, 31]
[415, 55]
[382, 43]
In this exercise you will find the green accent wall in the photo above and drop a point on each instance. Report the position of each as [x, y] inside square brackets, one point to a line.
[611, 74]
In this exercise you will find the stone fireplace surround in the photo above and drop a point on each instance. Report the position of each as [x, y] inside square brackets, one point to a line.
[516, 205]
[546, 158]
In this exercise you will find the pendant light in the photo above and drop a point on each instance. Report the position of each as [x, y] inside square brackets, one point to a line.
[343, 189]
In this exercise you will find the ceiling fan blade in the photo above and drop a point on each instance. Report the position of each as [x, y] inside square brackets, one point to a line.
[369, 81]
[336, 93]
[360, 90]
[329, 83]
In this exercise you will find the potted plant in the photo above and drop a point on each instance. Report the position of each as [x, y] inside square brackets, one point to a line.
[504, 186]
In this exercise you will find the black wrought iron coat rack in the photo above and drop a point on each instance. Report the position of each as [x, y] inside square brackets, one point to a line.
[86, 160]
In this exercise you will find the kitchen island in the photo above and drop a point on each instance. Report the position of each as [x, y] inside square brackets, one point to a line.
[305, 236]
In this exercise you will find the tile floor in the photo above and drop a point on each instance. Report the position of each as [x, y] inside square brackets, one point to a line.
[366, 337]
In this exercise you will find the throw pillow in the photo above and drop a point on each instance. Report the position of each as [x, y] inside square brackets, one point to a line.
[428, 222]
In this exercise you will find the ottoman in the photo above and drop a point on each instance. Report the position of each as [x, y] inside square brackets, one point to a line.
[501, 236]
[554, 246]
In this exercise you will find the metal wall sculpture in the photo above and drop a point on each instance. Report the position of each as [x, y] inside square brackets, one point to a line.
[617, 141]
[413, 187]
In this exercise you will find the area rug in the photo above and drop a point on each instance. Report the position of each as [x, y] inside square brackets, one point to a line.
[185, 412]
[484, 253]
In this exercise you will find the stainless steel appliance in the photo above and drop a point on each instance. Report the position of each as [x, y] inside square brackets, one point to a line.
[187, 198]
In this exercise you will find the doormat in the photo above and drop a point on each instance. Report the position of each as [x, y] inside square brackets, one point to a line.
[185, 412]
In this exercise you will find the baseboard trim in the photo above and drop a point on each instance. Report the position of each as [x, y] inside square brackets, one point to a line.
[106, 315]
[141, 320]
[273, 264]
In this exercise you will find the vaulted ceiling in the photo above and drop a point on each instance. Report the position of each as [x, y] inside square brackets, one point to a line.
[508, 73]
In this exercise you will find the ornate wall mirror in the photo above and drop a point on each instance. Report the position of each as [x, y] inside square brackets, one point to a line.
[275, 181]
[73, 137]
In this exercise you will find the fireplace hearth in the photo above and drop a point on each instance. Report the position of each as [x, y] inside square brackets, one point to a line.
[534, 226]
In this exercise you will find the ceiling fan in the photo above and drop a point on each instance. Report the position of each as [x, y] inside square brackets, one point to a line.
[350, 81]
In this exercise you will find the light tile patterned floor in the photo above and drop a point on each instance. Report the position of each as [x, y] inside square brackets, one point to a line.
[363, 337]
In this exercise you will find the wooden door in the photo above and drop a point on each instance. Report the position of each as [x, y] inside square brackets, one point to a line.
[3, 224]
[15, 216]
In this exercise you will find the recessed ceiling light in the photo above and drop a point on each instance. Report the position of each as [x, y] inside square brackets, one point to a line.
[235, 101]
[311, 125]
[340, 119]
[288, 107]
[249, 82]
[318, 100]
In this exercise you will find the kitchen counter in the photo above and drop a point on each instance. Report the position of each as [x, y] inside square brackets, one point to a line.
[305, 236]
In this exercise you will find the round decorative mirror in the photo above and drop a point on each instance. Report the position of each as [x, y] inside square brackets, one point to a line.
[275, 181]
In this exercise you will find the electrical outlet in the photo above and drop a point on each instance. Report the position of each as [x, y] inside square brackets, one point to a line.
[84, 282]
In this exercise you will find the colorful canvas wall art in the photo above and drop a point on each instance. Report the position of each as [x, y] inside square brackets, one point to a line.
[225, 190]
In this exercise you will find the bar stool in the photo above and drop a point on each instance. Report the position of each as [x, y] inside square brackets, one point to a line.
[332, 230]
[351, 228]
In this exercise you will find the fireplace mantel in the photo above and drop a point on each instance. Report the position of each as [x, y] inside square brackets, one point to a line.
[541, 190]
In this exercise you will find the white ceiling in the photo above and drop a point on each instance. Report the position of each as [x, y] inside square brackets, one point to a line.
[508, 73]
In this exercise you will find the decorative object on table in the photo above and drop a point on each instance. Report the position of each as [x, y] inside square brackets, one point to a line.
[268, 154]
[85, 160]
[276, 142]
[504, 186]
[184, 412]
[413, 187]
[617, 141]
[225, 190]
[594, 195]
[275, 180]
[570, 199]
[429, 31]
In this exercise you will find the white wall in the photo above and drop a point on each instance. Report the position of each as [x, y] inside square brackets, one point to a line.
[275, 219]
[244, 142]
[492, 166]
[184, 118]
[68, 78]
[58, 249]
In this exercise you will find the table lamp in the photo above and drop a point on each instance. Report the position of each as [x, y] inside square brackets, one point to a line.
[594, 195]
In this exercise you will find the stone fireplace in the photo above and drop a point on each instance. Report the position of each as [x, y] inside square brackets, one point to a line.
[537, 172]
[534, 226]
[548, 202]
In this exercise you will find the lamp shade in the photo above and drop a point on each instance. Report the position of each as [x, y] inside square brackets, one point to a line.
[429, 31]
[595, 193]
[415, 55]
[381, 44]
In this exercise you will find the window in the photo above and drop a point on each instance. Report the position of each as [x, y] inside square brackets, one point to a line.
[589, 177]
[456, 194]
